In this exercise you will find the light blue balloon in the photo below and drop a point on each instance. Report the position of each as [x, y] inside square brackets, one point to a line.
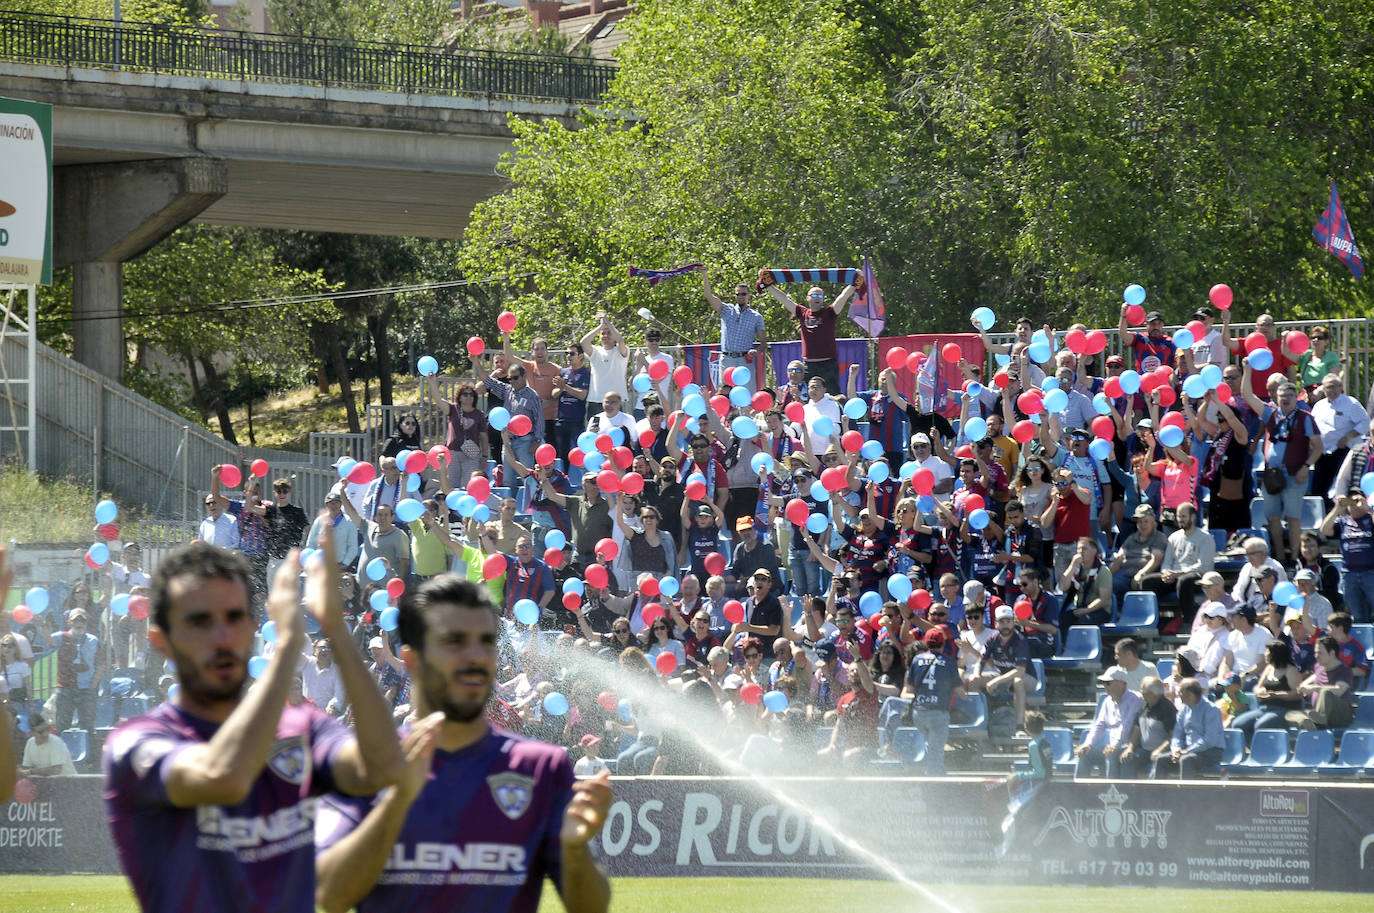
[526, 611]
[742, 376]
[925, 503]
[1049, 383]
[466, 505]
[761, 462]
[642, 383]
[269, 631]
[975, 429]
[379, 600]
[413, 481]
[1367, 484]
[870, 602]
[1298, 602]
[694, 404]
[409, 510]
[899, 587]
[37, 599]
[617, 435]
[1130, 382]
[1100, 449]
[402, 456]
[823, 426]
[973, 390]
[105, 512]
[908, 470]
[978, 519]
[818, 492]
[878, 472]
[586, 442]
[574, 585]
[691, 389]
[390, 619]
[1037, 418]
[1039, 352]
[1039, 336]
[692, 425]
[257, 665]
[1002, 360]
[1284, 593]
[1260, 359]
[345, 466]
[119, 604]
[481, 513]
[817, 523]
[739, 397]
[775, 701]
[696, 477]
[555, 538]
[1056, 401]
[99, 552]
[984, 317]
[1212, 376]
[555, 704]
[453, 498]
[744, 427]
[1195, 386]
[871, 450]
[593, 462]
[376, 569]
[1102, 405]
[1134, 294]
[1183, 338]
[669, 586]
[1171, 435]
[855, 408]
[624, 711]
[428, 366]
[499, 418]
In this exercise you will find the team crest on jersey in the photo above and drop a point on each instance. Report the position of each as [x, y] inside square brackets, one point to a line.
[288, 759]
[512, 793]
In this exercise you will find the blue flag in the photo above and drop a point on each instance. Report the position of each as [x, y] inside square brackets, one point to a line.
[1332, 232]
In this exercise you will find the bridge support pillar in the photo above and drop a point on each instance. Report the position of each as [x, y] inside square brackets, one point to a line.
[106, 214]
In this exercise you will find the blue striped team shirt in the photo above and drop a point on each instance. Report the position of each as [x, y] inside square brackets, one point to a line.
[886, 423]
[526, 581]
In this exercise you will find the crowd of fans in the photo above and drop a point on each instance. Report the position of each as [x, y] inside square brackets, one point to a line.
[795, 557]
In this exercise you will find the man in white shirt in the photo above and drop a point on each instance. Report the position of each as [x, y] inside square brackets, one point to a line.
[1245, 645]
[1210, 348]
[613, 415]
[320, 679]
[1317, 606]
[219, 527]
[44, 754]
[925, 458]
[646, 357]
[607, 358]
[1341, 422]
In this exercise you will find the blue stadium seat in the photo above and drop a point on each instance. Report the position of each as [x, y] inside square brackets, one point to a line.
[797, 607]
[105, 713]
[1364, 713]
[1357, 750]
[1036, 697]
[909, 745]
[78, 744]
[1233, 752]
[1268, 749]
[1364, 633]
[1313, 749]
[575, 478]
[1313, 512]
[1165, 667]
[1219, 537]
[1139, 616]
[130, 707]
[1082, 649]
[1257, 512]
[975, 710]
[1061, 744]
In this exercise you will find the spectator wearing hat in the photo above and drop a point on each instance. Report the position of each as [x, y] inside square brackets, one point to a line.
[80, 668]
[1141, 553]
[753, 552]
[591, 763]
[1352, 521]
[762, 614]
[1004, 664]
[932, 682]
[1110, 732]
[829, 682]
[345, 530]
[1207, 645]
[1198, 737]
[1233, 702]
[1316, 607]
[1328, 691]
[386, 668]
[924, 456]
[1150, 349]
[320, 678]
[1189, 553]
[1210, 349]
[1088, 472]
[1256, 558]
[1245, 643]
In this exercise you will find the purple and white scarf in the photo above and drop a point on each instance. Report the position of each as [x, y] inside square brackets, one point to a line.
[655, 276]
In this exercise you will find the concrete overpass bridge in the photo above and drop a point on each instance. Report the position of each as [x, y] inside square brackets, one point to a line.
[156, 126]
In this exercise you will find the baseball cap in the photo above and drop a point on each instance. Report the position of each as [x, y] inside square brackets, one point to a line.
[1204, 311]
[705, 511]
[1292, 615]
[376, 642]
[1305, 574]
[1143, 510]
[1211, 577]
[732, 681]
[1080, 433]
[1229, 680]
[1113, 674]
[763, 572]
[1145, 423]
[1153, 315]
[1248, 612]
[744, 523]
[935, 637]
[1005, 611]
[920, 438]
[1214, 610]
[589, 740]
[826, 651]
[333, 496]
[1113, 360]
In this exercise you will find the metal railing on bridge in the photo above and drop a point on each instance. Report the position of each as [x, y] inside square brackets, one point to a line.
[218, 53]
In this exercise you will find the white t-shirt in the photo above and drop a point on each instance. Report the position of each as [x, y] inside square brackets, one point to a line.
[608, 372]
[603, 423]
[1209, 349]
[52, 754]
[1248, 649]
[590, 767]
[16, 676]
[941, 469]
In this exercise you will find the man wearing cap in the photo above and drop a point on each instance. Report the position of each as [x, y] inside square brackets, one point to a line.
[80, 668]
[320, 680]
[1354, 523]
[1111, 727]
[750, 555]
[762, 614]
[932, 681]
[1317, 607]
[829, 680]
[1005, 663]
[1208, 643]
[1188, 554]
[1210, 349]
[867, 544]
[1197, 740]
[1088, 472]
[1151, 348]
[925, 458]
[345, 530]
[1245, 645]
[742, 331]
[386, 668]
[590, 515]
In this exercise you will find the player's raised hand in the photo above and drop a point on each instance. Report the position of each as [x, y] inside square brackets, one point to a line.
[418, 749]
[323, 593]
[284, 601]
[587, 811]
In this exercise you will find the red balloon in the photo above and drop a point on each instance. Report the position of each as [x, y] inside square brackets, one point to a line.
[230, 475]
[652, 613]
[714, 564]
[834, 478]
[597, 577]
[762, 401]
[1030, 402]
[576, 457]
[721, 404]
[632, 483]
[139, 607]
[919, 600]
[1173, 418]
[1104, 427]
[1076, 341]
[974, 502]
[1112, 387]
[260, 468]
[607, 549]
[965, 452]
[795, 412]
[1166, 373]
[727, 377]
[1255, 340]
[1135, 315]
[951, 352]
[797, 511]
[851, 441]
[734, 611]
[608, 481]
[1224, 392]
[682, 376]
[1198, 329]
[553, 557]
[658, 369]
[608, 701]
[480, 488]
[1096, 341]
[1167, 396]
[696, 491]
[545, 454]
[476, 346]
[1023, 430]
[604, 443]
[440, 456]
[418, 461]
[395, 587]
[1221, 296]
[520, 425]
[1151, 382]
[1297, 341]
[876, 620]
[571, 600]
[22, 614]
[108, 531]
[923, 481]
[914, 361]
[751, 693]
[896, 358]
[1023, 609]
[90, 563]
[362, 473]
[649, 586]
[1001, 379]
[494, 566]
[647, 437]
[505, 322]
[623, 457]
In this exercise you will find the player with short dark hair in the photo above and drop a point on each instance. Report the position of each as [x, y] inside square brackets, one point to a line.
[481, 815]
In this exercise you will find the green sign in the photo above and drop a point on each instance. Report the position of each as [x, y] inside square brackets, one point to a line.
[25, 192]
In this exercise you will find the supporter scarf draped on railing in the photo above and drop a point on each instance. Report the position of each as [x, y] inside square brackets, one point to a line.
[655, 276]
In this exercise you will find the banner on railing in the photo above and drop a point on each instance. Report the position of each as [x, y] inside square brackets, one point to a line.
[946, 373]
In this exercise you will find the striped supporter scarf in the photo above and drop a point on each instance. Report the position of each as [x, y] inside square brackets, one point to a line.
[655, 276]
[835, 274]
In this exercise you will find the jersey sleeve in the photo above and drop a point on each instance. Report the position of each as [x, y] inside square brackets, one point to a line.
[138, 763]
[327, 738]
